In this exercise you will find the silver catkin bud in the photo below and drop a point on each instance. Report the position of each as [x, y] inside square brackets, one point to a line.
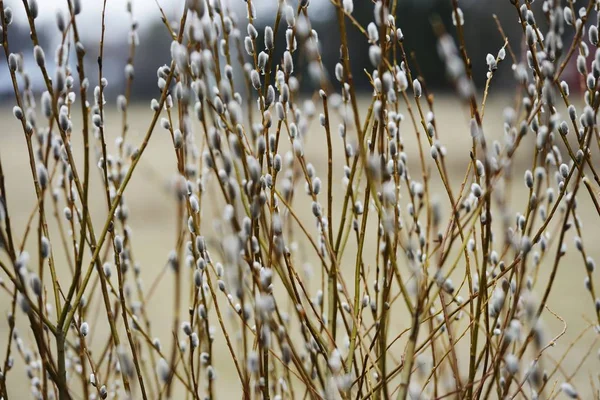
[59, 80]
[566, 387]
[528, 179]
[590, 264]
[480, 168]
[581, 64]
[197, 5]
[270, 97]
[186, 327]
[198, 277]
[375, 55]
[76, 7]
[163, 370]
[263, 58]
[417, 88]
[563, 128]
[103, 392]
[84, 329]
[42, 173]
[33, 8]
[512, 364]
[588, 116]
[564, 170]
[434, 152]
[45, 247]
[200, 244]
[593, 34]
[60, 21]
[129, 71]
[530, 35]
[13, 61]
[63, 121]
[288, 63]
[8, 15]
[526, 244]
[568, 15]
[476, 190]
[269, 41]
[118, 244]
[252, 32]
[97, 120]
[36, 285]
[248, 45]
[177, 139]
[348, 6]
[40, 58]
[125, 362]
[18, 112]
[255, 79]
[289, 15]
[277, 163]
[373, 33]
[121, 103]
[316, 185]
[107, 270]
[572, 112]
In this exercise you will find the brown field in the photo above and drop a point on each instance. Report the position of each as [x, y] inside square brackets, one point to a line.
[153, 222]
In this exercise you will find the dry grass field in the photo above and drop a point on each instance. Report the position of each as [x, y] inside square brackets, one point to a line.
[153, 224]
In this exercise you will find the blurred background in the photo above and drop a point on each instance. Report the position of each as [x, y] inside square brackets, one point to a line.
[414, 17]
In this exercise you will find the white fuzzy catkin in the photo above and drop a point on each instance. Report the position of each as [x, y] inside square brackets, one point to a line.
[107, 270]
[60, 21]
[33, 8]
[84, 329]
[348, 6]
[121, 103]
[476, 190]
[59, 81]
[269, 41]
[163, 370]
[42, 174]
[567, 388]
[13, 62]
[263, 59]
[417, 88]
[40, 58]
[568, 15]
[18, 112]
[375, 55]
[125, 361]
[255, 79]
[197, 5]
[288, 63]
[45, 247]
[76, 7]
[36, 285]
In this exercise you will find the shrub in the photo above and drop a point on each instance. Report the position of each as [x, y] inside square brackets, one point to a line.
[305, 285]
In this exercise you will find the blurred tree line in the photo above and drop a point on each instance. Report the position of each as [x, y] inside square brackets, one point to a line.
[414, 17]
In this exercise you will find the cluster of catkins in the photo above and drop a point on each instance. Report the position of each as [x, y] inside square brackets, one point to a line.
[287, 289]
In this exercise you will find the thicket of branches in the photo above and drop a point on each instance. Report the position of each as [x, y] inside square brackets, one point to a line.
[277, 279]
